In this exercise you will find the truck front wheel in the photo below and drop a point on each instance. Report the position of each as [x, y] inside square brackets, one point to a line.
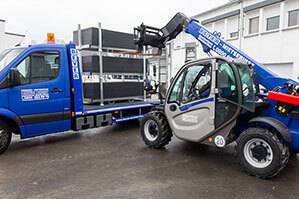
[5, 136]
[155, 130]
[261, 153]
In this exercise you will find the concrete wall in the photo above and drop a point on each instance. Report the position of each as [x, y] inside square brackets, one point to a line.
[277, 49]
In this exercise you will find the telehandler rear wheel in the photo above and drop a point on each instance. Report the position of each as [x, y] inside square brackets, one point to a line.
[261, 153]
[5, 136]
[155, 130]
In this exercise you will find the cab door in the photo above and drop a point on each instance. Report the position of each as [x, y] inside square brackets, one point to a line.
[190, 104]
[41, 100]
[236, 92]
[228, 98]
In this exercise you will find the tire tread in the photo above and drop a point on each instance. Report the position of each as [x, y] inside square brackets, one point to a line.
[166, 133]
[282, 146]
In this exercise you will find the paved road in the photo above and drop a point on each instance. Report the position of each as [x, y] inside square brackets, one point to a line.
[113, 163]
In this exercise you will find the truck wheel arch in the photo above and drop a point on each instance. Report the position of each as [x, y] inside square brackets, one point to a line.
[12, 120]
[267, 122]
[12, 123]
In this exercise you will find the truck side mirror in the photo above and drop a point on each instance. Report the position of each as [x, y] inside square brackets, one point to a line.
[14, 78]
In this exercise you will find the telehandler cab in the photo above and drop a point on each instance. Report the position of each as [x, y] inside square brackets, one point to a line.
[217, 101]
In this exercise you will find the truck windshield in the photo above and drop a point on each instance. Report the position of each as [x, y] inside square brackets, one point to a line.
[8, 55]
[248, 87]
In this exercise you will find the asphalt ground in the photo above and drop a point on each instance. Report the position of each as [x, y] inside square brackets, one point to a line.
[113, 162]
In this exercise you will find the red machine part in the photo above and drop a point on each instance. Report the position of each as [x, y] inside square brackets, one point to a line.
[285, 98]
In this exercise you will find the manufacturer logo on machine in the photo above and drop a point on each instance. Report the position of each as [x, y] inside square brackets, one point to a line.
[190, 119]
[75, 64]
[209, 36]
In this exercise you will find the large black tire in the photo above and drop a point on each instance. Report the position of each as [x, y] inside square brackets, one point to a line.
[260, 144]
[5, 136]
[155, 130]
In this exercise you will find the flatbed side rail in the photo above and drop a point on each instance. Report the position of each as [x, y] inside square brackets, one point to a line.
[108, 115]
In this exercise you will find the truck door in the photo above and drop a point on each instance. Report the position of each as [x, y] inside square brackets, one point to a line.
[190, 105]
[41, 100]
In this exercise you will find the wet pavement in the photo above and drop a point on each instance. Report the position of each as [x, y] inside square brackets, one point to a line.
[113, 163]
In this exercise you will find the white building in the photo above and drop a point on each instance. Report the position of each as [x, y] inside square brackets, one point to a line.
[7, 39]
[270, 34]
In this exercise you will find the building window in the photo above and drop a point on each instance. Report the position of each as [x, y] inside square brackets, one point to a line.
[273, 23]
[254, 25]
[234, 35]
[294, 17]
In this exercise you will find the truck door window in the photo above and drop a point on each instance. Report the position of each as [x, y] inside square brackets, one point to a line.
[39, 67]
[7, 56]
[197, 83]
[23, 69]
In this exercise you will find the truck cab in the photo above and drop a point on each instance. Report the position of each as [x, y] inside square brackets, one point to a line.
[35, 89]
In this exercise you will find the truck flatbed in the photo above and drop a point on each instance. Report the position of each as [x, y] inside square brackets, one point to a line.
[98, 109]
[109, 114]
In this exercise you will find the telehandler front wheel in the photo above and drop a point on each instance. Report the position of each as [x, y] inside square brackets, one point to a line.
[5, 136]
[155, 130]
[261, 153]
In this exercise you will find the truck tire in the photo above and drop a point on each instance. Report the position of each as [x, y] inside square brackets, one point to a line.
[155, 130]
[5, 136]
[261, 153]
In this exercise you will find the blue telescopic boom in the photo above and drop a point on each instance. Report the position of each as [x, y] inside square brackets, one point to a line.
[212, 41]
[146, 35]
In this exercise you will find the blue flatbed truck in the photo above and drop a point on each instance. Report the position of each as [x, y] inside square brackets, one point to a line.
[41, 93]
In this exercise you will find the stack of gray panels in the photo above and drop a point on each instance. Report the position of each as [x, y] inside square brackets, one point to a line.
[118, 66]
[114, 91]
[110, 39]
[112, 64]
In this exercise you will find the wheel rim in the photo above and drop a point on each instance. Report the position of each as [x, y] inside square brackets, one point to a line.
[3, 138]
[151, 130]
[258, 153]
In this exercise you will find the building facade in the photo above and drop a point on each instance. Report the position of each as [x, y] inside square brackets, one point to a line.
[266, 30]
[7, 39]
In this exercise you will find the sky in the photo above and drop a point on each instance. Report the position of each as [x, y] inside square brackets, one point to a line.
[35, 18]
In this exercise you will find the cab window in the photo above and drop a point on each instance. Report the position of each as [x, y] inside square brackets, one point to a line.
[227, 83]
[227, 102]
[197, 84]
[248, 88]
[175, 92]
[193, 84]
[39, 67]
